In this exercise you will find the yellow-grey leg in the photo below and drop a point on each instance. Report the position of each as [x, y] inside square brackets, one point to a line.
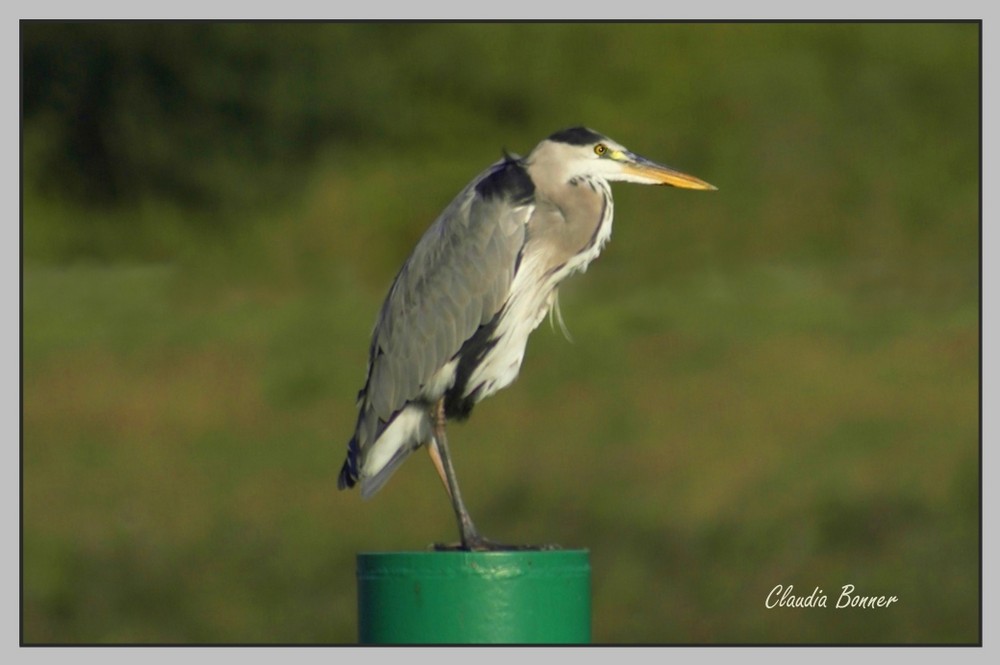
[471, 540]
[432, 450]
[439, 449]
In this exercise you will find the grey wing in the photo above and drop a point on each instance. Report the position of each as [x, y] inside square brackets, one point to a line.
[456, 279]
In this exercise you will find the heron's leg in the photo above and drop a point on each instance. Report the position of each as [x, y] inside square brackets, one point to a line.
[439, 448]
[471, 540]
[432, 450]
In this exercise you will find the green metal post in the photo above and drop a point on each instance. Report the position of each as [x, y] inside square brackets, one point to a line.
[519, 597]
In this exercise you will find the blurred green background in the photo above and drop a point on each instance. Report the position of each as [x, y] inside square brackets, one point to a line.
[775, 383]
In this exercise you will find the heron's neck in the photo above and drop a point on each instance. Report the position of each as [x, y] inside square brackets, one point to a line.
[572, 221]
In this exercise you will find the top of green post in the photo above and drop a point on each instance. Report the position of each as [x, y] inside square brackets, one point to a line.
[498, 563]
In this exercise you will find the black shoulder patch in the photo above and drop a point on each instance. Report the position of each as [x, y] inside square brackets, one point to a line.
[508, 180]
[576, 136]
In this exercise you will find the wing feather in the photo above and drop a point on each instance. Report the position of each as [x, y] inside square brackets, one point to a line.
[456, 279]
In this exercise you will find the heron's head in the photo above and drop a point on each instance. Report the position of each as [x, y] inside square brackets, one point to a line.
[580, 153]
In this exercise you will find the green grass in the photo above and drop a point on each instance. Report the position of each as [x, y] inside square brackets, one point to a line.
[181, 460]
[775, 383]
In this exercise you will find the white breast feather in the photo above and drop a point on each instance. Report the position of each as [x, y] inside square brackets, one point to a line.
[532, 295]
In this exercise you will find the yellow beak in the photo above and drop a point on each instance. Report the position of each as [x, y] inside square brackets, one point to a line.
[663, 175]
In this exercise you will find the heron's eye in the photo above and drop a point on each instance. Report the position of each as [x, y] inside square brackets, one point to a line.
[600, 149]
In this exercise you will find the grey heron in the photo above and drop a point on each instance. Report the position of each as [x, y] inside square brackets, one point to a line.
[454, 326]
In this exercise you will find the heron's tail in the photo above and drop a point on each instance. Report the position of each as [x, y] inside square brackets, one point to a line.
[349, 472]
[405, 432]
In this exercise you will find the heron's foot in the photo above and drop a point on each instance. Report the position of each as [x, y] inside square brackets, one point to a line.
[480, 544]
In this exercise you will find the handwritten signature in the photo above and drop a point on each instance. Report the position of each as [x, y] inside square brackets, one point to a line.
[784, 596]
